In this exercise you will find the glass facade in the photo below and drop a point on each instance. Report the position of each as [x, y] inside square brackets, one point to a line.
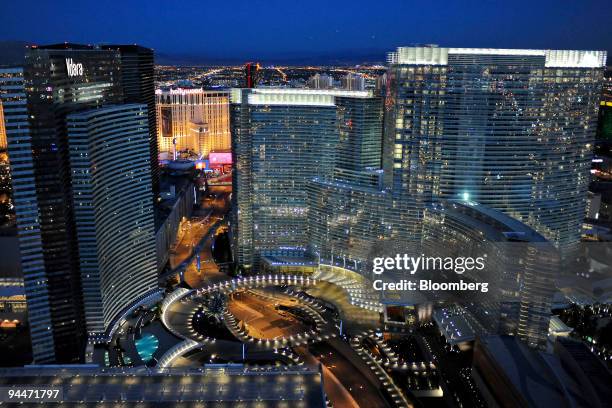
[57, 252]
[283, 139]
[113, 209]
[345, 222]
[14, 101]
[342, 178]
[59, 80]
[349, 210]
[510, 129]
[520, 267]
[56, 80]
[138, 84]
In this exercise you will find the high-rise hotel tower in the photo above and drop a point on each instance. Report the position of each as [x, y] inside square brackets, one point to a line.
[510, 129]
[113, 209]
[138, 84]
[57, 81]
[283, 139]
[324, 174]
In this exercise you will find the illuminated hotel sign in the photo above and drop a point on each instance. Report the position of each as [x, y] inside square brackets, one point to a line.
[73, 69]
[185, 91]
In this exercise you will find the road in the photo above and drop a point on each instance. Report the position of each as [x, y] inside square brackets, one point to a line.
[261, 317]
[214, 209]
[341, 375]
[348, 381]
[335, 391]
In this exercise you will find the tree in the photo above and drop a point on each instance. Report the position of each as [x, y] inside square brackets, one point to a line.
[215, 305]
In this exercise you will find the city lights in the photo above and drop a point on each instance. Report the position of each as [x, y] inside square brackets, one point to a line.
[228, 208]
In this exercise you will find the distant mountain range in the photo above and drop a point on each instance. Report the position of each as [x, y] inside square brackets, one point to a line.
[12, 53]
[296, 59]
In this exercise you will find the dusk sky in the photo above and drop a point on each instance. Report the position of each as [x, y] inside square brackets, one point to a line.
[274, 29]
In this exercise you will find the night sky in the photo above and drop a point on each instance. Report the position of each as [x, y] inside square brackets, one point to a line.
[275, 30]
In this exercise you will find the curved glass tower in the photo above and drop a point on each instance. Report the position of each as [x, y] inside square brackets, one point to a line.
[113, 209]
[283, 139]
[342, 177]
[510, 129]
[520, 267]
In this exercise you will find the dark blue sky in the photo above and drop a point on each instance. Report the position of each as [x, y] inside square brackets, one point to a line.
[282, 29]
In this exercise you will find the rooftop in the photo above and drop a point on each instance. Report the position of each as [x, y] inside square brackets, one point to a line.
[494, 222]
[434, 55]
[295, 96]
[218, 385]
[453, 325]
[526, 370]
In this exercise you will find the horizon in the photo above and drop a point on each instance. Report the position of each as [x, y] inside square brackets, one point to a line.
[341, 58]
[308, 204]
[274, 32]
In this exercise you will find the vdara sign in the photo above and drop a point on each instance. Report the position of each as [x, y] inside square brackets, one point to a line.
[73, 69]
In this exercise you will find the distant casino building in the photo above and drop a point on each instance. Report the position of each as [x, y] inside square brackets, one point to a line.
[192, 119]
[251, 74]
[113, 209]
[15, 124]
[353, 82]
[510, 129]
[319, 81]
